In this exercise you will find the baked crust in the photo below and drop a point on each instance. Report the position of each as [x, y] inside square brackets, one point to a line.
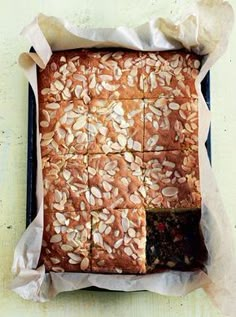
[65, 183]
[171, 124]
[119, 238]
[172, 179]
[66, 241]
[116, 180]
[119, 133]
[116, 126]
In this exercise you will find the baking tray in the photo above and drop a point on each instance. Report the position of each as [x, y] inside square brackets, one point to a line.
[31, 202]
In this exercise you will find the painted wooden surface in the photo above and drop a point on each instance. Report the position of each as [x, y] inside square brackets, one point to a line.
[13, 140]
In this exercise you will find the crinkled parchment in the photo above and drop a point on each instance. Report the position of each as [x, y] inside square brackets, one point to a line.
[204, 28]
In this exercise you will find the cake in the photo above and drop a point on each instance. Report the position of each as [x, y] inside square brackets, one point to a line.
[119, 148]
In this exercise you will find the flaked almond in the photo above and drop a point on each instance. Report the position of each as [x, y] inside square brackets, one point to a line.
[107, 248]
[130, 81]
[137, 146]
[62, 59]
[155, 110]
[174, 63]
[103, 215]
[169, 191]
[174, 106]
[58, 196]
[110, 220]
[58, 85]
[73, 262]
[101, 263]
[69, 138]
[125, 224]
[142, 191]
[61, 218]
[182, 114]
[57, 269]
[55, 238]
[96, 192]
[116, 233]
[84, 264]
[92, 83]
[159, 148]
[55, 260]
[122, 140]
[131, 232]
[74, 256]
[59, 207]
[45, 91]
[182, 180]
[78, 91]
[79, 77]
[152, 141]
[66, 174]
[128, 251]
[97, 238]
[196, 63]
[91, 170]
[108, 230]
[46, 115]
[106, 148]
[118, 109]
[47, 136]
[150, 62]
[66, 93]
[80, 123]
[103, 130]
[44, 124]
[109, 87]
[106, 77]
[110, 165]
[153, 81]
[101, 227]
[116, 146]
[66, 247]
[135, 199]
[107, 187]
[168, 164]
[118, 243]
[128, 62]
[129, 157]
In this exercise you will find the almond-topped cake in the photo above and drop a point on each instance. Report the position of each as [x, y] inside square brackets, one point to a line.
[119, 146]
[119, 240]
[116, 126]
[67, 241]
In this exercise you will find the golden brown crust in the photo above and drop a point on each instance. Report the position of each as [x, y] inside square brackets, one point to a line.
[171, 124]
[116, 180]
[65, 183]
[104, 115]
[116, 126]
[87, 74]
[172, 179]
[119, 238]
[66, 241]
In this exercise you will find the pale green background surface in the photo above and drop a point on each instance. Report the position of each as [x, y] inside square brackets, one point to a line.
[14, 15]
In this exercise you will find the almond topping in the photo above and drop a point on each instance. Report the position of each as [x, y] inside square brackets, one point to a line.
[55, 238]
[96, 192]
[170, 191]
[84, 264]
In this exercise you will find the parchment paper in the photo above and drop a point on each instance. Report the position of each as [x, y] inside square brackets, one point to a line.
[203, 28]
